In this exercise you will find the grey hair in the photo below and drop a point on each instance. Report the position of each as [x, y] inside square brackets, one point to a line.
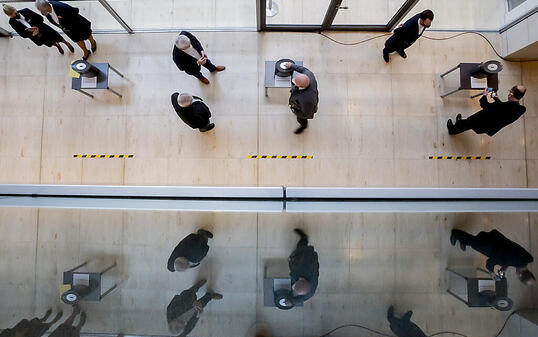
[181, 264]
[183, 42]
[184, 100]
[42, 4]
[9, 10]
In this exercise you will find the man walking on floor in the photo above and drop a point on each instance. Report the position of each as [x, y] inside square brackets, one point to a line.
[304, 96]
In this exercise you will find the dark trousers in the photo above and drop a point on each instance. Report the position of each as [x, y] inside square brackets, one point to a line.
[394, 44]
[465, 238]
[460, 126]
[209, 66]
[303, 241]
[204, 299]
[303, 122]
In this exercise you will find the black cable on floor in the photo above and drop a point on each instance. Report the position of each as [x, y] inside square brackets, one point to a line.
[435, 334]
[429, 38]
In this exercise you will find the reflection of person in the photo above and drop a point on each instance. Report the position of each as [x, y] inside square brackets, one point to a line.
[304, 96]
[192, 111]
[185, 309]
[35, 327]
[189, 251]
[493, 116]
[406, 34]
[189, 55]
[403, 327]
[304, 270]
[67, 19]
[29, 25]
[499, 250]
[67, 329]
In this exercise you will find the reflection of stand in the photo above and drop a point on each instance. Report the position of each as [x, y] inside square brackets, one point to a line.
[84, 285]
[466, 81]
[101, 81]
[483, 291]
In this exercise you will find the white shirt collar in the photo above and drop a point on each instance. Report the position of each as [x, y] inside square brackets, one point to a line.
[421, 28]
[22, 20]
[193, 52]
[54, 16]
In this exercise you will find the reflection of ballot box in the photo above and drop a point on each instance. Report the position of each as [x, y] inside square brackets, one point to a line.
[84, 286]
[474, 287]
[277, 284]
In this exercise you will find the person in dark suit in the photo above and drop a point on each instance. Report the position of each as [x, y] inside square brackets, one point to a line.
[35, 327]
[304, 97]
[499, 250]
[493, 116]
[403, 327]
[189, 251]
[185, 309]
[189, 56]
[194, 113]
[304, 270]
[67, 328]
[74, 25]
[406, 34]
[29, 25]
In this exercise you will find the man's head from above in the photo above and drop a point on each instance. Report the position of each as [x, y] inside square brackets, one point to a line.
[426, 18]
[183, 42]
[43, 6]
[525, 276]
[176, 326]
[517, 92]
[302, 81]
[181, 264]
[184, 100]
[302, 287]
[10, 10]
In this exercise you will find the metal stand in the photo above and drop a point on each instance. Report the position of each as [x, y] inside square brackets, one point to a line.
[102, 80]
[84, 92]
[271, 9]
[465, 82]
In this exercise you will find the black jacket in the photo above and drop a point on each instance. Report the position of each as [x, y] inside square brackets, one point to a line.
[46, 36]
[501, 251]
[408, 33]
[303, 262]
[194, 248]
[196, 116]
[304, 103]
[73, 24]
[403, 327]
[495, 116]
[184, 61]
[179, 305]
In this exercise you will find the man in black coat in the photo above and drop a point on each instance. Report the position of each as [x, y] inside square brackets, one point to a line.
[36, 327]
[194, 113]
[403, 327]
[74, 25]
[493, 116]
[304, 96]
[304, 270]
[500, 251]
[406, 34]
[185, 309]
[189, 56]
[29, 25]
[189, 251]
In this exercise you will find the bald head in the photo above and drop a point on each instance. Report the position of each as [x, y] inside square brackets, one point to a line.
[183, 42]
[181, 264]
[302, 81]
[302, 287]
[184, 100]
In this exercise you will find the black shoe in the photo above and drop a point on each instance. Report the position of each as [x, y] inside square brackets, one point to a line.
[94, 48]
[210, 126]
[453, 239]
[299, 130]
[85, 58]
[71, 49]
[61, 51]
[458, 118]
[205, 233]
[386, 57]
[300, 232]
[402, 54]
[462, 246]
[390, 312]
